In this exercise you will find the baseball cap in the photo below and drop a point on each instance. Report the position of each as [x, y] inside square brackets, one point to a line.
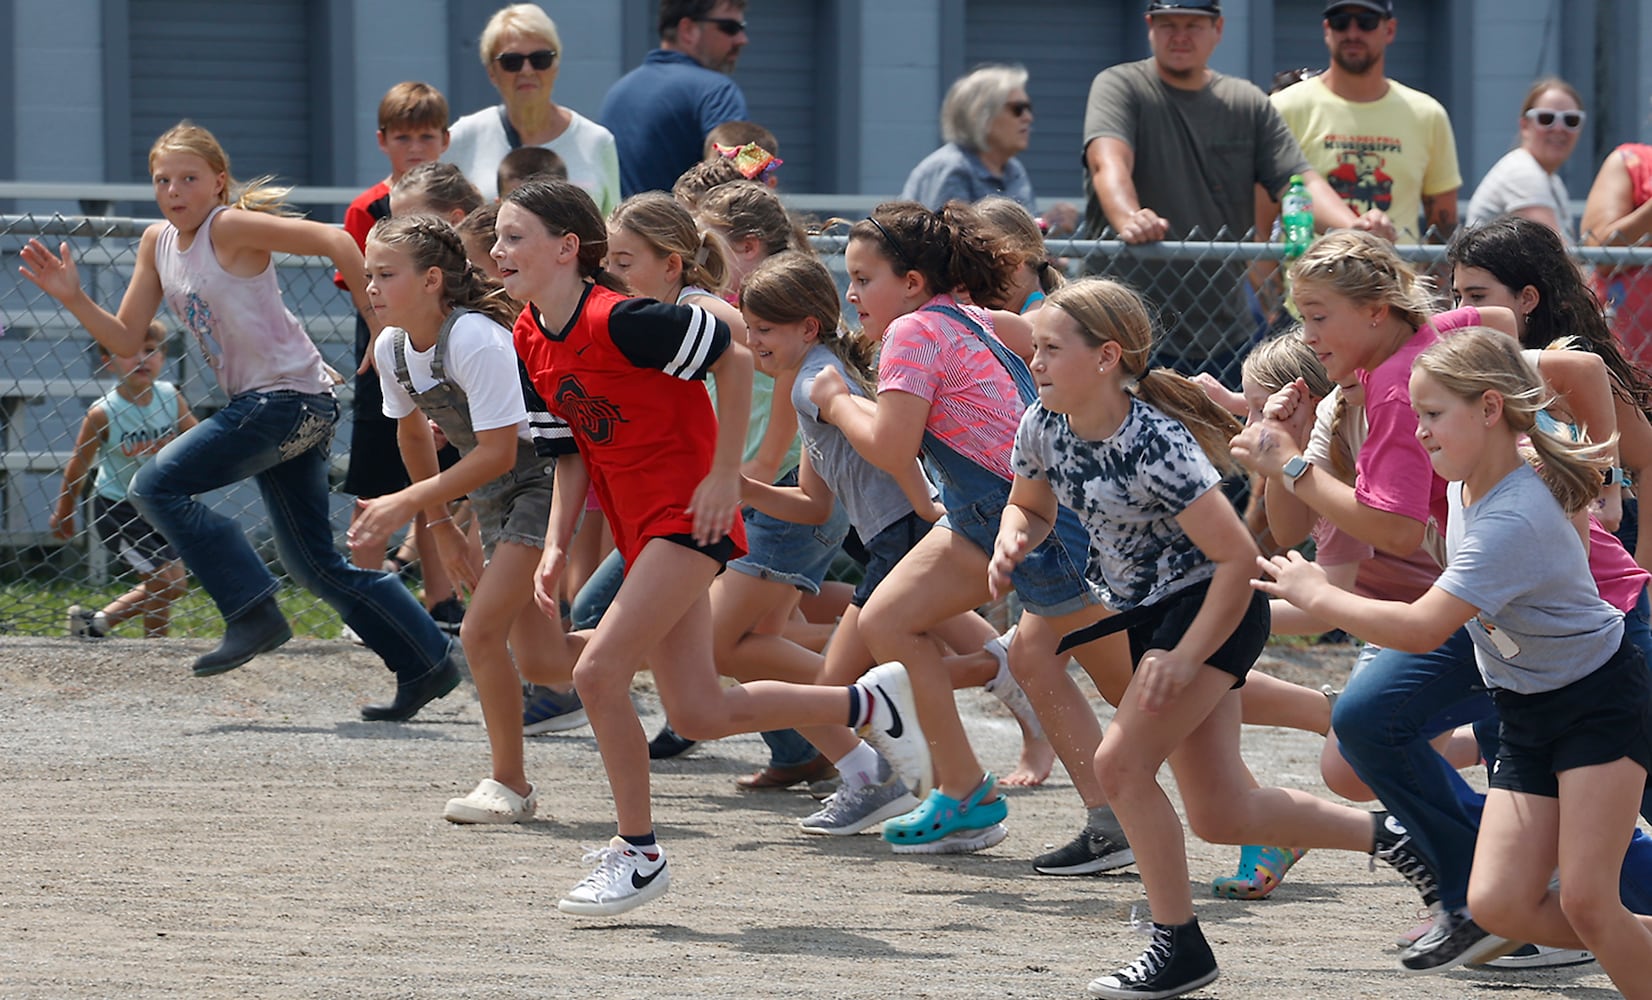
[1383, 7]
[1212, 8]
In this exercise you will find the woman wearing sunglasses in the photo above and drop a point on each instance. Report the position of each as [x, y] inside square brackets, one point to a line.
[1526, 182]
[523, 53]
[986, 120]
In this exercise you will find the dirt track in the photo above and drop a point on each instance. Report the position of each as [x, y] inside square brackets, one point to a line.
[247, 836]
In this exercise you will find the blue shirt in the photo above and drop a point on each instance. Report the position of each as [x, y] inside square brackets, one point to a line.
[954, 172]
[659, 114]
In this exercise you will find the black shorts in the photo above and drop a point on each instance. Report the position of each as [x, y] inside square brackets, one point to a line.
[722, 550]
[1599, 718]
[1162, 625]
[886, 549]
[376, 468]
[128, 537]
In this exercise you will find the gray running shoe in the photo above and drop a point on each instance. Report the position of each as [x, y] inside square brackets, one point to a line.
[846, 813]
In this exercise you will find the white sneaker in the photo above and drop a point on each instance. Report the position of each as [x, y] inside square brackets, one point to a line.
[893, 728]
[85, 623]
[492, 802]
[1004, 686]
[625, 878]
[1541, 956]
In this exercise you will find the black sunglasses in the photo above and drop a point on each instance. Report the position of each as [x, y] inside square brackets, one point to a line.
[1019, 108]
[1367, 20]
[727, 25]
[1546, 117]
[511, 62]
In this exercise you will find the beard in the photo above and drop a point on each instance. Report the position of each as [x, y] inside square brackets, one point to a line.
[1356, 63]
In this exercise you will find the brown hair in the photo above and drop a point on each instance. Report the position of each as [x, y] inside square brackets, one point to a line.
[702, 177]
[746, 209]
[790, 287]
[1105, 310]
[441, 186]
[658, 220]
[411, 105]
[1020, 229]
[260, 194]
[564, 208]
[738, 133]
[430, 242]
[951, 248]
[524, 162]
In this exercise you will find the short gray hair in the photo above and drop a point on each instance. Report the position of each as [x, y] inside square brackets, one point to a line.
[972, 100]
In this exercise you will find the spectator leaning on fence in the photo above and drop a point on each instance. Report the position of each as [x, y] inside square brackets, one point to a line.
[121, 432]
[1385, 149]
[661, 111]
[211, 260]
[1173, 150]
[1617, 214]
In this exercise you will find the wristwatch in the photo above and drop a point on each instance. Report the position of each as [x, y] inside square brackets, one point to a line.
[1294, 470]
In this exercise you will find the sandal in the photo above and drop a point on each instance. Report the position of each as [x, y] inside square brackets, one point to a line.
[1261, 869]
[943, 825]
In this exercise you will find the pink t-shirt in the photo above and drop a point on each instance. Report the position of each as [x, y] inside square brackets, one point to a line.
[974, 407]
[1393, 471]
[1381, 576]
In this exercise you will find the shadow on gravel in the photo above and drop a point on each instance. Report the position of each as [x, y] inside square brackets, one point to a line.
[342, 730]
[793, 940]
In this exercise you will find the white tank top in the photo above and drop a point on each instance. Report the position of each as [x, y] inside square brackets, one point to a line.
[245, 332]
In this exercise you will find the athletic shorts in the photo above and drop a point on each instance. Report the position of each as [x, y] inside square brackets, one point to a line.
[1598, 718]
[1162, 625]
[128, 537]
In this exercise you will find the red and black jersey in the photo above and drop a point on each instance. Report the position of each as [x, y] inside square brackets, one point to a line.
[369, 207]
[625, 383]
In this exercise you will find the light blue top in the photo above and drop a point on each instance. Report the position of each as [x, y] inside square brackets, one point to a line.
[953, 172]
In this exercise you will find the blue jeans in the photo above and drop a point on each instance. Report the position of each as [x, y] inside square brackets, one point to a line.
[281, 440]
[1384, 720]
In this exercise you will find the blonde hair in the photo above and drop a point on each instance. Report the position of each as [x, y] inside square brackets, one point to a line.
[791, 287]
[261, 194]
[526, 19]
[1106, 310]
[1474, 361]
[658, 220]
[430, 242]
[442, 187]
[1278, 361]
[1365, 269]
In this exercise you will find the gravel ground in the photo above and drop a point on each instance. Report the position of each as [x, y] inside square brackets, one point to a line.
[246, 835]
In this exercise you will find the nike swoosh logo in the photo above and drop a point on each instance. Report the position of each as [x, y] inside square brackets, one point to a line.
[896, 727]
[639, 882]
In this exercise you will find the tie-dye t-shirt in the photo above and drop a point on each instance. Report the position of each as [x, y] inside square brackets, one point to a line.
[1127, 490]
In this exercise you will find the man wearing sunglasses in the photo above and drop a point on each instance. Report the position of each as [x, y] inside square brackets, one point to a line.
[1382, 146]
[1174, 151]
[661, 111]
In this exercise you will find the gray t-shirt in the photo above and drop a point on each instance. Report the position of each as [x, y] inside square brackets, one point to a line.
[1127, 491]
[1199, 155]
[870, 495]
[1515, 556]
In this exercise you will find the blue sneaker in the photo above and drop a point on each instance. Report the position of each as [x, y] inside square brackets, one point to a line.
[546, 710]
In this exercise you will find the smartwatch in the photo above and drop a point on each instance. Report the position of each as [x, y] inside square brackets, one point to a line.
[1294, 470]
[1617, 476]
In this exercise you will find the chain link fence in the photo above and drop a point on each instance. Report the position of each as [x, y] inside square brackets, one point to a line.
[1214, 300]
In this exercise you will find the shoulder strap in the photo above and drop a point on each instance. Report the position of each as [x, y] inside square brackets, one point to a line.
[511, 135]
[398, 346]
[1011, 361]
[438, 356]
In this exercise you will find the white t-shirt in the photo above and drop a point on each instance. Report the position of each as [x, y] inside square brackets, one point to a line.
[1518, 181]
[479, 144]
[480, 360]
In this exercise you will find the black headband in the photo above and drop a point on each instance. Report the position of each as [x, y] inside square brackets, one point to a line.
[906, 259]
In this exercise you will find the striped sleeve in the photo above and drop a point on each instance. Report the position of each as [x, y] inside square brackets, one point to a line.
[550, 434]
[682, 341]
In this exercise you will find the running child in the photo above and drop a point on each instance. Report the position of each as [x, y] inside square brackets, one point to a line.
[445, 356]
[624, 375]
[1571, 690]
[122, 431]
[211, 261]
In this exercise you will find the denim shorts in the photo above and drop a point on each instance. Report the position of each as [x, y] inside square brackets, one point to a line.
[1049, 582]
[887, 548]
[795, 554]
[516, 507]
[1597, 719]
